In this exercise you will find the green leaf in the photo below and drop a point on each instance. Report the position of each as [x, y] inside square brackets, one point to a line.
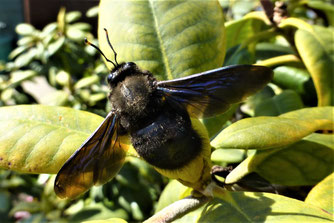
[295, 79]
[316, 48]
[48, 30]
[286, 101]
[312, 113]
[97, 211]
[25, 40]
[267, 132]
[19, 76]
[228, 155]
[303, 163]
[256, 99]
[39, 139]
[324, 139]
[86, 81]
[289, 59]
[238, 55]
[215, 124]
[25, 29]
[17, 51]
[255, 207]
[295, 22]
[92, 12]
[56, 45]
[72, 16]
[81, 26]
[322, 194]
[268, 50]
[25, 58]
[169, 38]
[63, 78]
[174, 191]
[239, 30]
[75, 34]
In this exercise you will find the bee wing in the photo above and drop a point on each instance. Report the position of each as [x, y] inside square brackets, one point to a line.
[97, 160]
[212, 92]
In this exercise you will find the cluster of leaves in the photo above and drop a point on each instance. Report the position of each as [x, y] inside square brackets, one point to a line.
[55, 61]
[287, 141]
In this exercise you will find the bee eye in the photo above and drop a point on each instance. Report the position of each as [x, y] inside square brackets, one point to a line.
[110, 78]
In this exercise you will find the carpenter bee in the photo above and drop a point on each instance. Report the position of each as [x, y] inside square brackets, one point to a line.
[159, 118]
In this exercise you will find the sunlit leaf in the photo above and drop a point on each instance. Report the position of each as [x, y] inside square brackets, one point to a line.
[255, 207]
[316, 48]
[25, 29]
[228, 155]
[86, 81]
[55, 46]
[312, 113]
[322, 194]
[17, 51]
[169, 38]
[303, 163]
[72, 16]
[25, 58]
[92, 12]
[39, 139]
[75, 34]
[48, 29]
[267, 132]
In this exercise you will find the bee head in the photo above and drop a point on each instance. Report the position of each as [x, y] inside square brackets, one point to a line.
[120, 72]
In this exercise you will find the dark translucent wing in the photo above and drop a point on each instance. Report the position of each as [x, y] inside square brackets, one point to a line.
[98, 160]
[212, 92]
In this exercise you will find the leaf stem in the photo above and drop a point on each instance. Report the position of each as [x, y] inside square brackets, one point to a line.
[178, 209]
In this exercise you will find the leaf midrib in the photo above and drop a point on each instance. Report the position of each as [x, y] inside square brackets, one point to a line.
[162, 48]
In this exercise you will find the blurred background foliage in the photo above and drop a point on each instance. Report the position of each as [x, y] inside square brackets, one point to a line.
[53, 66]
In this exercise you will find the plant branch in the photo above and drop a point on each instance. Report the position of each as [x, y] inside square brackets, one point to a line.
[178, 209]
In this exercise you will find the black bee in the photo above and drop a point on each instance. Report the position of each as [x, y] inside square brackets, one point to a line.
[157, 117]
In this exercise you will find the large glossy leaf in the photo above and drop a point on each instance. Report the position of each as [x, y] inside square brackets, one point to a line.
[255, 207]
[322, 194]
[312, 113]
[267, 132]
[303, 163]
[316, 48]
[169, 38]
[39, 139]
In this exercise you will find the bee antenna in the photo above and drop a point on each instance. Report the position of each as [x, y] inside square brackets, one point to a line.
[100, 51]
[111, 45]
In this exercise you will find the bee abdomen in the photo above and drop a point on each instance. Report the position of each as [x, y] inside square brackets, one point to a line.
[169, 142]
